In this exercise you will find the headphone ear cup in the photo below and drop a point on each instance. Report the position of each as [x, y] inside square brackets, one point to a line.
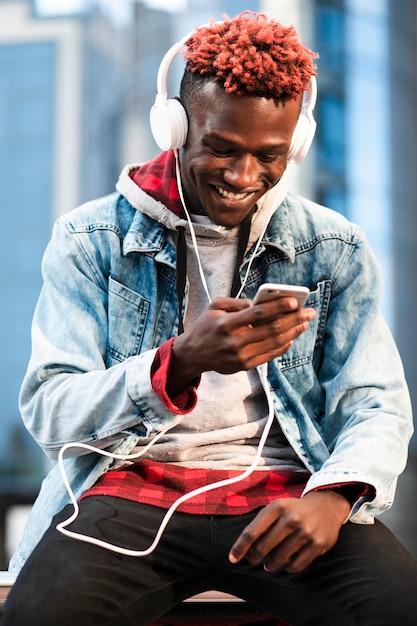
[302, 138]
[306, 125]
[169, 123]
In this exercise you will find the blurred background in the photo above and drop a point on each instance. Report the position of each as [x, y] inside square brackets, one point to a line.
[77, 80]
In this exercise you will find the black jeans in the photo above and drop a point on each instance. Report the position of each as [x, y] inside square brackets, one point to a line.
[367, 579]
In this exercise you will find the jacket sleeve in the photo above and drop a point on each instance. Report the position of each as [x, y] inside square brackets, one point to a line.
[367, 421]
[69, 394]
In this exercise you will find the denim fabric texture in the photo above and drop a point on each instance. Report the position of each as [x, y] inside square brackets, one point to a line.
[339, 393]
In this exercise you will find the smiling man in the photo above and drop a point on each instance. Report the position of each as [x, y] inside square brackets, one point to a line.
[149, 353]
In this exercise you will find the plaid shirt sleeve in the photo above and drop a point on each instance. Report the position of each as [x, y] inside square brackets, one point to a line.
[185, 401]
[351, 491]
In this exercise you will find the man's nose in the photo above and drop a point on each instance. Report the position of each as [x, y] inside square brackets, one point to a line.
[242, 172]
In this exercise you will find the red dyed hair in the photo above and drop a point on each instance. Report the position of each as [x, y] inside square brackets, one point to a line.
[251, 54]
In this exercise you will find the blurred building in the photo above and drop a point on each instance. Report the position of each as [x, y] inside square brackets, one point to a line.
[151, 34]
[62, 87]
[401, 66]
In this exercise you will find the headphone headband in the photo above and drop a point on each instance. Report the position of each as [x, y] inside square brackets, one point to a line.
[169, 123]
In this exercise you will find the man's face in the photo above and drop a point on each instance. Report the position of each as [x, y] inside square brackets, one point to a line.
[236, 150]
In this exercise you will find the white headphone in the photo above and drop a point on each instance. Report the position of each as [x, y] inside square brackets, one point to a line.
[169, 123]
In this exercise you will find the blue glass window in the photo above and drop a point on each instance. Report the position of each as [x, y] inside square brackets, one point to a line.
[26, 170]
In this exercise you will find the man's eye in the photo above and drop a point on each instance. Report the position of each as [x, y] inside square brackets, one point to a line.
[269, 158]
[220, 151]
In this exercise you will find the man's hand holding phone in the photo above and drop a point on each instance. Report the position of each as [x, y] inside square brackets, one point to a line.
[235, 334]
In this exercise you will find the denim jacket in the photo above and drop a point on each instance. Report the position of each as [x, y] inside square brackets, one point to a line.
[109, 271]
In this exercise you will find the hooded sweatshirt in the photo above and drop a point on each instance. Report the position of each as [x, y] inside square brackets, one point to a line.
[223, 430]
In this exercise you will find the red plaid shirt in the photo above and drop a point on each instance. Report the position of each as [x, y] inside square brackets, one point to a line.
[160, 484]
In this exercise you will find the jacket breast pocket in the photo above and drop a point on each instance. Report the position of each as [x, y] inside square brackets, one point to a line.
[305, 346]
[127, 320]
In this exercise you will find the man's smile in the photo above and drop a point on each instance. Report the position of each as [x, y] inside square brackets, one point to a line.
[229, 195]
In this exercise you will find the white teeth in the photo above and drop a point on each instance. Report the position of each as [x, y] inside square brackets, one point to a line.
[229, 195]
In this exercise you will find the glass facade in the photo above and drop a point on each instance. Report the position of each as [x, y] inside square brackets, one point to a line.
[102, 106]
[330, 41]
[368, 123]
[26, 156]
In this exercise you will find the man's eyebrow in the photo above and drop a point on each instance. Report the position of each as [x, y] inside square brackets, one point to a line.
[213, 134]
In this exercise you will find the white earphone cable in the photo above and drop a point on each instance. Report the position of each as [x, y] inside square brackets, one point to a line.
[62, 527]
[262, 371]
[192, 231]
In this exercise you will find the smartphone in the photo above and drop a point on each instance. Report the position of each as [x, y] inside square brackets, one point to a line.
[270, 291]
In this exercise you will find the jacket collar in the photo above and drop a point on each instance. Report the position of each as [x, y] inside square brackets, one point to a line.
[279, 233]
[154, 215]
